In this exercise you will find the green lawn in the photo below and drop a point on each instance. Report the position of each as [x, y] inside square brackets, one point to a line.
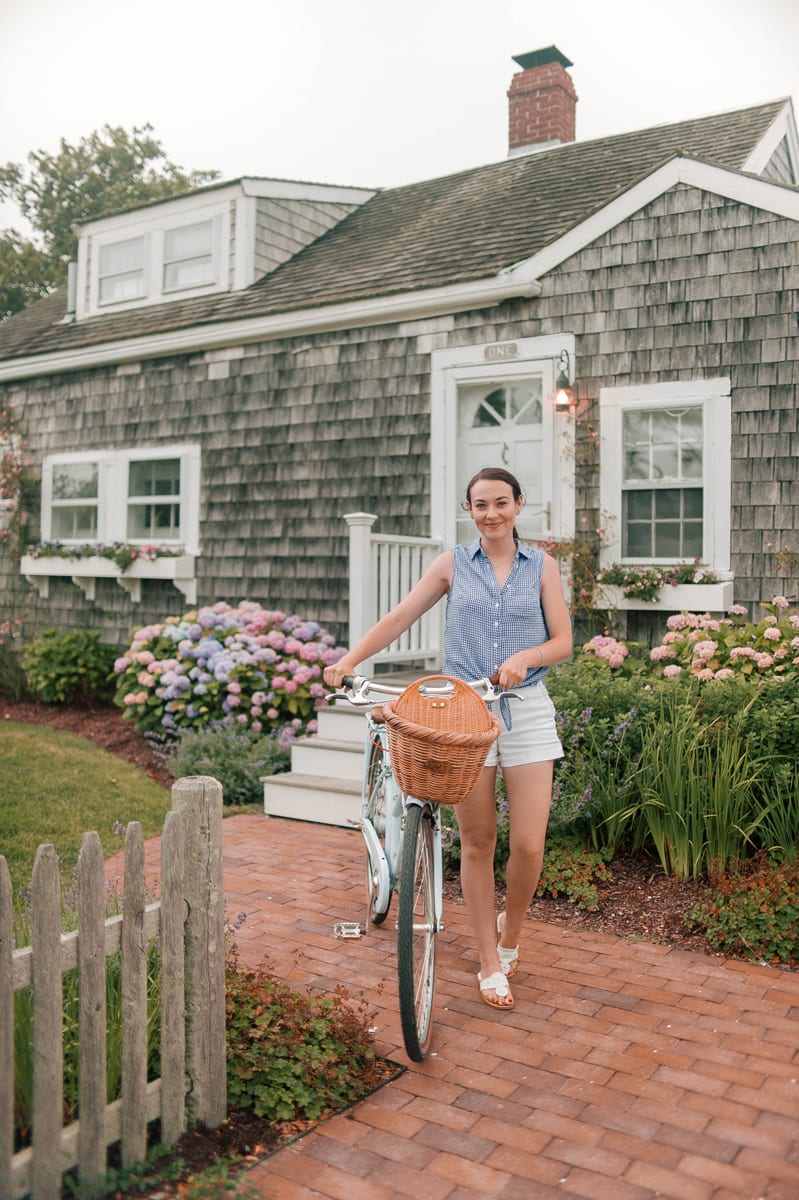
[55, 786]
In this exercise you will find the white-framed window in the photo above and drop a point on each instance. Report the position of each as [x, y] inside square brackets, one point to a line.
[150, 258]
[121, 271]
[665, 473]
[143, 495]
[189, 256]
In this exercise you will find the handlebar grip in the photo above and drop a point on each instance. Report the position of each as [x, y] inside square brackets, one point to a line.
[494, 679]
[348, 681]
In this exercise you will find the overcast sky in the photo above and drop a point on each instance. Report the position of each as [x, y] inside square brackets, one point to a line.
[366, 92]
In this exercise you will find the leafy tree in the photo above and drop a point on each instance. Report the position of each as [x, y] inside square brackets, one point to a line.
[110, 170]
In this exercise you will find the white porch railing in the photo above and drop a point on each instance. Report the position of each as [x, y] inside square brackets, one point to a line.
[383, 568]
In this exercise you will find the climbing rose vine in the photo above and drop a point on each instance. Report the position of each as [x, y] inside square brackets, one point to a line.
[241, 667]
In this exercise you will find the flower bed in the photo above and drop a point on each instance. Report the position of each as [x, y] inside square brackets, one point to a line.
[243, 666]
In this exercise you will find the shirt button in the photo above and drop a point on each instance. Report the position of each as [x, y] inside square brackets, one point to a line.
[496, 644]
[496, 624]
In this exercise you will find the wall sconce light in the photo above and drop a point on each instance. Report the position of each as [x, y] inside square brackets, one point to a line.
[564, 391]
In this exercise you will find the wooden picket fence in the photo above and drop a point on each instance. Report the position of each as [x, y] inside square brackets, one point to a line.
[188, 921]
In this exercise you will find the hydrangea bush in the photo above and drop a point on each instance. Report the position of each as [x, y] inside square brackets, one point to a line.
[222, 666]
[731, 646]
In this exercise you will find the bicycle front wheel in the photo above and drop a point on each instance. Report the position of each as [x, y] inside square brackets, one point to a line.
[416, 931]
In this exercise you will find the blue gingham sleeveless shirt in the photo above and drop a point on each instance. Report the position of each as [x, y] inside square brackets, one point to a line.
[486, 625]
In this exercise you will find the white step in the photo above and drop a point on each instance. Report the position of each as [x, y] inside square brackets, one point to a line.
[329, 757]
[343, 722]
[312, 798]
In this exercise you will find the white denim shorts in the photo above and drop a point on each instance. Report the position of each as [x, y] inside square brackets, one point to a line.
[532, 736]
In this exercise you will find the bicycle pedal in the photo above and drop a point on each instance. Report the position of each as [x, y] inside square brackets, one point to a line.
[349, 930]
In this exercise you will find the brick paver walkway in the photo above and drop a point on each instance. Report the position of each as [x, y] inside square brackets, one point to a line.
[626, 1071]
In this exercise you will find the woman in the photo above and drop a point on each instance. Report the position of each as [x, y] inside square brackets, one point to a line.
[506, 616]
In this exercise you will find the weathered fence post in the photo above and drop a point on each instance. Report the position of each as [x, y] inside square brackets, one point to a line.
[92, 1017]
[48, 1054]
[6, 1031]
[173, 1020]
[134, 1002]
[199, 799]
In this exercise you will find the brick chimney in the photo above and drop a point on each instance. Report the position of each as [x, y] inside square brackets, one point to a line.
[541, 102]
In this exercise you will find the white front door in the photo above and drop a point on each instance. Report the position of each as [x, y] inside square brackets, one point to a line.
[501, 424]
[492, 406]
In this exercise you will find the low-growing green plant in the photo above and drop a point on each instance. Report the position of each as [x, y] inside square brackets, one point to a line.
[571, 870]
[753, 911]
[70, 667]
[290, 1055]
[238, 758]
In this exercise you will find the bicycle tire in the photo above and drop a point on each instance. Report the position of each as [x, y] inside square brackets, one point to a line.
[416, 932]
[376, 813]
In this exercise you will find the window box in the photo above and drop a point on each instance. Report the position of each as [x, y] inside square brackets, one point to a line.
[84, 573]
[681, 597]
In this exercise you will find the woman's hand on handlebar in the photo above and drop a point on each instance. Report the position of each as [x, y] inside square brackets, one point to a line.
[512, 672]
[334, 675]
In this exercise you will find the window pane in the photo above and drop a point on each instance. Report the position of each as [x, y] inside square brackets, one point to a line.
[154, 522]
[667, 504]
[491, 411]
[192, 241]
[525, 402]
[75, 481]
[638, 541]
[692, 503]
[154, 477]
[692, 540]
[667, 539]
[122, 256]
[665, 462]
[188, 256]
[692, 462]
[639, 506]
[121, 271]
[74, 522]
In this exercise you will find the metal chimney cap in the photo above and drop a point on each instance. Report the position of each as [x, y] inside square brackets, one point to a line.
[540, 58]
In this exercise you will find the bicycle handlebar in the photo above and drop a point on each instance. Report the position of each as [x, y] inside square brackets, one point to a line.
[358, 690]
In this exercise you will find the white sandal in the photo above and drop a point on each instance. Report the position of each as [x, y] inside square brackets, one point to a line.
[508, 956]
[498, 983]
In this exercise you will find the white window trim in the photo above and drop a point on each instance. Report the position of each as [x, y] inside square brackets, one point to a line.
[152, 227]
[501, 361]
[714, 397]
[112, 498]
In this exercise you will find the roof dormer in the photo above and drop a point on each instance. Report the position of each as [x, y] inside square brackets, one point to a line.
[220, 238]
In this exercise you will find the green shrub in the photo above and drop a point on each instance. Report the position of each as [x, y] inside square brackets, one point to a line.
[571, 870]
[292, 1056]
[71, 667]
[238, 758]
[753, 911]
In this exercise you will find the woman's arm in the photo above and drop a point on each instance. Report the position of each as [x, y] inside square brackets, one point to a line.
[559, 644]
[431, 587]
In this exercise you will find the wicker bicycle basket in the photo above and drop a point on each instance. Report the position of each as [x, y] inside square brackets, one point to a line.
[439, 734]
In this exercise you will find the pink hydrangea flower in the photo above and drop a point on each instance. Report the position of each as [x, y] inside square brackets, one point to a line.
[725, 673]
[705, 674]
[772, 634]
[738, 610]
[672, 670]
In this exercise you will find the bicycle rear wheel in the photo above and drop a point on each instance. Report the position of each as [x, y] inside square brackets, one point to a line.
[416, 931]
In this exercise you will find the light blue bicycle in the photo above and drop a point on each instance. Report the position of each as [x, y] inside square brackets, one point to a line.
[404, 854]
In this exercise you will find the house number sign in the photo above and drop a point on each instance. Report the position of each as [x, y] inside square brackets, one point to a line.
[501, 350]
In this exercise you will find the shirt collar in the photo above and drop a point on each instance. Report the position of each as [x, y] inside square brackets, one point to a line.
[474, 548]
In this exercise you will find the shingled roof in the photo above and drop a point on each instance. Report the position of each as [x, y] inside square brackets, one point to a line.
[442, 231]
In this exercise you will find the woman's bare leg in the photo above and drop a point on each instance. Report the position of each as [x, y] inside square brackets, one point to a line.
[529, 790]
[477, 822]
